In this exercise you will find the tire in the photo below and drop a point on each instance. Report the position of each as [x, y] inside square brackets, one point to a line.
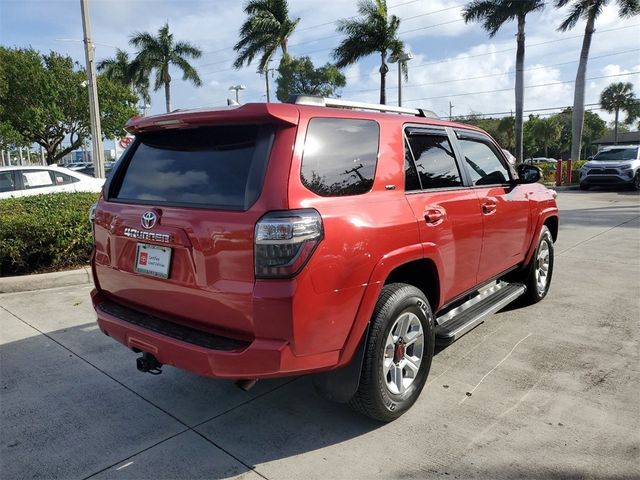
[636, 181]
[537, 281]
[389, 386]
[584, 186]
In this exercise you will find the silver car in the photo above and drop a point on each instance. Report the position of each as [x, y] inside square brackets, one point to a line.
[616, 165]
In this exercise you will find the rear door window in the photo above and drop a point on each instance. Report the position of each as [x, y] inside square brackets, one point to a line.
[435, 161]
[340, 156]
[219, 167]
[37, 178]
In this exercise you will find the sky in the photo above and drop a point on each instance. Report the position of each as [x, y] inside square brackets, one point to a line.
[453, 61]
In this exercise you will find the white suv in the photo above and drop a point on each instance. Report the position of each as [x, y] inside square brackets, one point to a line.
[616, 165]
[25, 181]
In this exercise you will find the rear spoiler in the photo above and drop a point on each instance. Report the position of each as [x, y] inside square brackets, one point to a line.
[248, 113]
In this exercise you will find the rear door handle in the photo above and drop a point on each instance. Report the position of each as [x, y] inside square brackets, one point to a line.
[489, 207]
[433, 216]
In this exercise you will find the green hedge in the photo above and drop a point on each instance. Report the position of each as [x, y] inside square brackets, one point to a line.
[45, 233]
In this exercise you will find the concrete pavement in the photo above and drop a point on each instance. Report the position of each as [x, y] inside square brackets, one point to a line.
[555, 389]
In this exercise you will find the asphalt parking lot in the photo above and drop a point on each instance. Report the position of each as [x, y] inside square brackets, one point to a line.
[555, 389]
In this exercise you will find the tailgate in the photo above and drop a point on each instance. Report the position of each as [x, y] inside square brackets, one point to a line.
[174, 235]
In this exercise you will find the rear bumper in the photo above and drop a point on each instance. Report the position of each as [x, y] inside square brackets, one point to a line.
[260, 358]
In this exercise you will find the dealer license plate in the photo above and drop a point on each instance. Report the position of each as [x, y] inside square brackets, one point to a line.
[153, 260]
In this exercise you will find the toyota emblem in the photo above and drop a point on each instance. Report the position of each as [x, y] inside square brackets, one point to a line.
[149, 220]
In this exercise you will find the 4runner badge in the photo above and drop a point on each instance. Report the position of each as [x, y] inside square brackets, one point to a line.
[148, 220]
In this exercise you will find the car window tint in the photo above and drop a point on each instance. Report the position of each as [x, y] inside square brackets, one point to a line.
[340, 156]
[36, 178]
[411, 180]
[6, 182]
[485, 168]
[435, 161]
[64, 179]
[221, 167]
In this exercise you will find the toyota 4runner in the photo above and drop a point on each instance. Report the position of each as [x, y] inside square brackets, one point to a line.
[320, 235]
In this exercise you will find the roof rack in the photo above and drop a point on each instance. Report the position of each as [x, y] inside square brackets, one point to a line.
[316, 101]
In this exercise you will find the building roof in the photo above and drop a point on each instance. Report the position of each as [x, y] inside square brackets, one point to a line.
[623, 138]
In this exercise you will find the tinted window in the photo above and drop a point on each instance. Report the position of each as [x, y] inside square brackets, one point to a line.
[64, 179]
[6, 182]
[36, 178]
[219, 167]
[411, 181]
[340, 156]
[435, 161]
[485, 168]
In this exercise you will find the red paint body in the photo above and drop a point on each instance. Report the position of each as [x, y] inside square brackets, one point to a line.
[314, 321]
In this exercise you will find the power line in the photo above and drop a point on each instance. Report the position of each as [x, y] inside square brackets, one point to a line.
[510, 72]
[510, 89]
[311, 27]
[524, 111]
[314, 40]
[455, 59]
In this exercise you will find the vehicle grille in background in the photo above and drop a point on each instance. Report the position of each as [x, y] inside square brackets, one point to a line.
[170, 329]
[603, 171]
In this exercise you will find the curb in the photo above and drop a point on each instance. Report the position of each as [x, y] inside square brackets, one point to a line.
[41, 281]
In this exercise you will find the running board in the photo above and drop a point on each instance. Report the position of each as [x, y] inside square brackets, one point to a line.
[455, 323]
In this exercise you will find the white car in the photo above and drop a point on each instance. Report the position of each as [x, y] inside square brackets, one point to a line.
[25, 181]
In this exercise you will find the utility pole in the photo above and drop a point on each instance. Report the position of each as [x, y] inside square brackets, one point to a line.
[450, 110]
[94, 108]
[44, 161]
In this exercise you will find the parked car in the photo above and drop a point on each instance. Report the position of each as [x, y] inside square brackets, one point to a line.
[616, 165]
[23, 181]
[539, 160]
[268, 240]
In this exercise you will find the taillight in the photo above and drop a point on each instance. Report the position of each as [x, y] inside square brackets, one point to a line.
[284, 241]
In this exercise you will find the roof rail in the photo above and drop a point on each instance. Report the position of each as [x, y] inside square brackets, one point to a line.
[316, 101]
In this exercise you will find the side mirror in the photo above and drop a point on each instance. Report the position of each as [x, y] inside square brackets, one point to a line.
[528, 173]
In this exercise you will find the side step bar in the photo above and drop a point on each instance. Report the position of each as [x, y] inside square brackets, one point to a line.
[455, 323]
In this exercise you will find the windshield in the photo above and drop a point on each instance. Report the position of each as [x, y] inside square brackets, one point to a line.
[617, 154]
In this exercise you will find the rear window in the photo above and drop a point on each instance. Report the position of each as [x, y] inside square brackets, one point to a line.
[218, 167]
[340, 156]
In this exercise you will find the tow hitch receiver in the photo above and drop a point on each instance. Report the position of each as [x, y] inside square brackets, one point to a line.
[149, 364]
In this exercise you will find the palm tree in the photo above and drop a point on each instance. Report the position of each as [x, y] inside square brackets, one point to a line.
[547, 131]
[589, 10]
[121, 69]
[159, 53]
[616, 97]
[374, 32]
[494, 14]
[267, 28]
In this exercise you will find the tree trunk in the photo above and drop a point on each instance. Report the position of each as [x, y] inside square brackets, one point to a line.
[615, 128]
[577, 120]
[167, 94]
[546, 150]
[519, 88]
[383, 78]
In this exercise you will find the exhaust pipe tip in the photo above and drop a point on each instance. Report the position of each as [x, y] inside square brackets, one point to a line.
[147, 363]
[245, 384]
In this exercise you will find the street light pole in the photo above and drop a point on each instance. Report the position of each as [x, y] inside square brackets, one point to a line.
[401, 59]
[237, 88]
[94, 108]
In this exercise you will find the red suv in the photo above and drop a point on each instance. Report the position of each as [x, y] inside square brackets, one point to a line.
[323, 236]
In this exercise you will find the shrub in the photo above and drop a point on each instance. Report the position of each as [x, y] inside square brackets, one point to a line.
[44, 233]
